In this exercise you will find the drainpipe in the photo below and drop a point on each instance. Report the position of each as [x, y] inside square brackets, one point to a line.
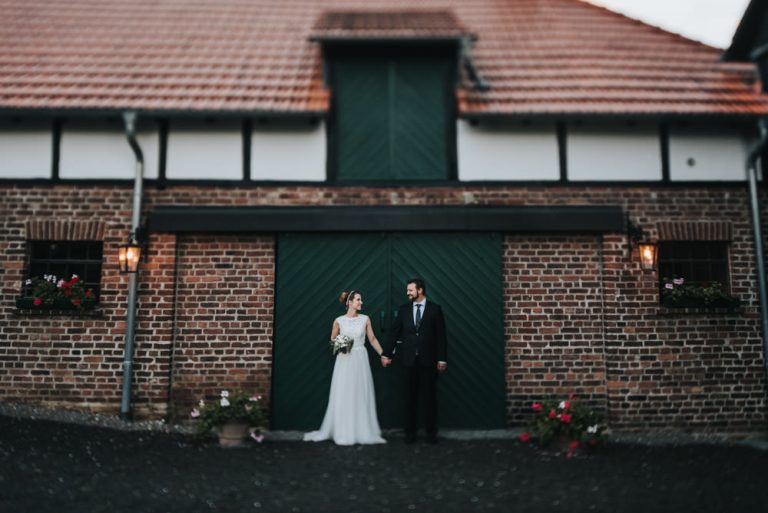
[129, 118]
[469, 65]
[754, 155]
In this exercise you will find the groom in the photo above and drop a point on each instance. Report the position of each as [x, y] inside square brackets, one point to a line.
[419, 332]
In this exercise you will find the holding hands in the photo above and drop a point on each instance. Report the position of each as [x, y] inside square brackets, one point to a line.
[385, 361]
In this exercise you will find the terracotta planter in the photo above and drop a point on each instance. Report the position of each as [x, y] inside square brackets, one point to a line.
[232, 434]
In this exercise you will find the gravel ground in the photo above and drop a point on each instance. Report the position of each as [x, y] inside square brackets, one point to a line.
[82, 463]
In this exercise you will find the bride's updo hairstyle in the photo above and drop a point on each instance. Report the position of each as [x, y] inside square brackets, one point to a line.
[345, 297]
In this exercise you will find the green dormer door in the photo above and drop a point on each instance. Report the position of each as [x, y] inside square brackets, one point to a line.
[393, 117]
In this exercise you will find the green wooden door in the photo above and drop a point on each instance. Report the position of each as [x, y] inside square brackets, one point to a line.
[392, 117]
[463, 274]
[311, 272]
[362, 107]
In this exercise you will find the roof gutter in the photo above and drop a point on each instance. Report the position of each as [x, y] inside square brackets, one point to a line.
[129, 119]
[754, 156]
[44, 112]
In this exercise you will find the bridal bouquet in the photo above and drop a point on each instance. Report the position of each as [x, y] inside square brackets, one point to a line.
[341, 344]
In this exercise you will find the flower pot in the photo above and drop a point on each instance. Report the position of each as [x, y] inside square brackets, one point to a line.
[232, 434]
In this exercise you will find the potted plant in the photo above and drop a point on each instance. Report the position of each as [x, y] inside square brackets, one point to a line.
[232, 417]
[567, 423]
[51, 293]
[676, 293]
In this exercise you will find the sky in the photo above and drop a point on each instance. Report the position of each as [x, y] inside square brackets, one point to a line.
[710, 21]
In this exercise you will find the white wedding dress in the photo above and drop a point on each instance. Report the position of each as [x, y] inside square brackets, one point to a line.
[351, 414]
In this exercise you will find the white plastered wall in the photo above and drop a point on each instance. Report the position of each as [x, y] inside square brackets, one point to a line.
[283, 151]
[100, 150]
[26, 149]
[505, 151]
[614, 152]
[698, 153]
[205, 150]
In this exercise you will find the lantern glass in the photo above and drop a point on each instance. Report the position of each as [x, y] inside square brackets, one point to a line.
[129, 256]
[647, 255]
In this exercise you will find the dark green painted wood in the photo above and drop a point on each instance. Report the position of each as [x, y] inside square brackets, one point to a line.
[463, 274]
[420, 119]
[392, 116]
[361, 104]
[311, 272]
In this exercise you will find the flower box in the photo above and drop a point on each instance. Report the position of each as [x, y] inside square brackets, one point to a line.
[676, 293]
[49, 293]
[729, 303]
[28, 303]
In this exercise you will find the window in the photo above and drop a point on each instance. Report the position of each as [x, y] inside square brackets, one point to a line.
[699, 262]
[393, 113]
[65, 258]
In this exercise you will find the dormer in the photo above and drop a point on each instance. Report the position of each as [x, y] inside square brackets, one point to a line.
[392, 77]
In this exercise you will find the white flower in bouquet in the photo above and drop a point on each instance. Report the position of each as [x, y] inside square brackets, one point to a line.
[341, 344]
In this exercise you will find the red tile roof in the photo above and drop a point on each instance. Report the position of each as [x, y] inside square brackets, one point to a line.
[539, 57]
[412, 24]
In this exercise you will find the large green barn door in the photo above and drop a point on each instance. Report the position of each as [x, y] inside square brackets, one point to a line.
[363, 120]
[311, 271]
[392, 117]
[463, 275]
[420, 119]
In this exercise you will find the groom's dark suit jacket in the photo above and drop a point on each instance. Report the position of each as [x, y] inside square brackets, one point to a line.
[424, 344]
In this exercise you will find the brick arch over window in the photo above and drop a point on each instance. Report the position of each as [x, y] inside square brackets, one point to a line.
[695, 231]
[65, 230]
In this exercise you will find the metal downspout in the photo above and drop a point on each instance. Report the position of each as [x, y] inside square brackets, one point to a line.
[469, 65]
[129, 119]
[754, 155]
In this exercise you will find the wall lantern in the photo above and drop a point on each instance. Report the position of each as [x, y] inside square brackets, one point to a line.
[646, 249]
[647, 255]
[129, 255]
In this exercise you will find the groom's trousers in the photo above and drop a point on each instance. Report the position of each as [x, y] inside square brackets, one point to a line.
[421, 390]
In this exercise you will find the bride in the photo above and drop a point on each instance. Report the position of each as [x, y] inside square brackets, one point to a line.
[351, 414]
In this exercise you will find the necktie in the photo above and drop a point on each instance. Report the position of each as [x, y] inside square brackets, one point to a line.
[418, 315]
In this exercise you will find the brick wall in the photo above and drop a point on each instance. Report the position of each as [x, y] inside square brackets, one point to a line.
[580, 316]
[554, 324]
[62, 361]
[224, 319]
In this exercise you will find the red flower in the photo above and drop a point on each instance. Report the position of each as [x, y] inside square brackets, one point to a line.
[76, 302]
[37, 301]
[552, 414]
[572, 448]
[536, 406]
[89, 293]
[566, 405]
[525, 437]
[565, 418]
[74, 280]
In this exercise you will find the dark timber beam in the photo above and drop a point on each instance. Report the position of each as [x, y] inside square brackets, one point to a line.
[536, 219]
